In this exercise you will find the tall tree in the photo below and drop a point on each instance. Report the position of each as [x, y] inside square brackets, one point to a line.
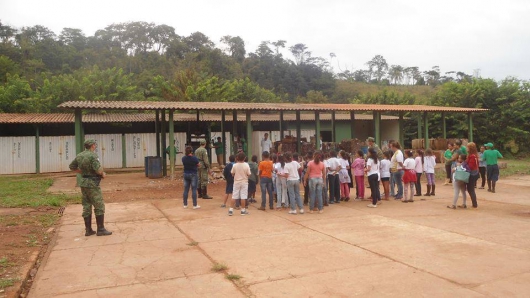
[377, 67]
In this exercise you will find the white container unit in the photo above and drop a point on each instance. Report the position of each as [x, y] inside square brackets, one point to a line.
[56, 153]
[109, 149]
[17, 155]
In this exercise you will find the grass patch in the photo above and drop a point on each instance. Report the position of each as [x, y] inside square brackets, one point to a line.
[4, 263]
[30, 191]
[48, 220]
[32, 240]
[7, 282]
[193, 243]
[218, 267]
[234, 277]
[516, 167]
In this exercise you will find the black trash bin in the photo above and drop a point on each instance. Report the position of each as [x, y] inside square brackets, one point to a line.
[154, 167]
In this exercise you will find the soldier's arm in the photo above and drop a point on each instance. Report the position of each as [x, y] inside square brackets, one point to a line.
[74, 166]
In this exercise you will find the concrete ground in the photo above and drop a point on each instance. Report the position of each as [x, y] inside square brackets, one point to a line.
[419, 249]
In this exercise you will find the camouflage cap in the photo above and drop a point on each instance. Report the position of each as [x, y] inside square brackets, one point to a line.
[370, 139]
[90, 142]
[202, 142]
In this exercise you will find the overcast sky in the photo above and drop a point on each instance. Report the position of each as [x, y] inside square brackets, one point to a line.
[464, 35]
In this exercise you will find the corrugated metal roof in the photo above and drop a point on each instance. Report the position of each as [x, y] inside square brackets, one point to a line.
[159, 105]
[180, 117]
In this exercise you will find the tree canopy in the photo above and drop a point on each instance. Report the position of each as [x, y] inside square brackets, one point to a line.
[146, 61]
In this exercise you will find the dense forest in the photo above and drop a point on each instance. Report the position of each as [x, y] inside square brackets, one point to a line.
[146, 61]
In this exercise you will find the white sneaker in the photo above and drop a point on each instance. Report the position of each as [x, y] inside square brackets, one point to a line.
[301, 211]
[372, 206]
[197, 207]
[292, 212]
[320, 211]
[185, 206]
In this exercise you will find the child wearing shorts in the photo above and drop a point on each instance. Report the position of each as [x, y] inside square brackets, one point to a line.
[241, 172]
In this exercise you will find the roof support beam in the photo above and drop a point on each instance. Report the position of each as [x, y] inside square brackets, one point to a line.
[400, 124]
[281, 126]
[172, 148]
[298, 133]
[317, 130]
[249, 135]
[157, 133]
[352, 124]
[470, 126]
[426, 127]
[420, 134]
[223, 138]
[234, 131]
[444, 126]
[164, 145]
[37, 148]
[333, 126]
[377, 128]
[78, 131]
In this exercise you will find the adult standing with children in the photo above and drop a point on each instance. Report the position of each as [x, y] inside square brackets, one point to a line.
[204, 168]
[396, 168]
[492, 168]
[473, 163]
[87, 164]
[191, 166]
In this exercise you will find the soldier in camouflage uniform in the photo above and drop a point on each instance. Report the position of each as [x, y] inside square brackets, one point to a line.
[87, 164]
[372, 144]
[204, 169]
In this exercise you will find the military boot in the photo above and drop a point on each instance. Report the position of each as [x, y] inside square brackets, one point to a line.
[205, 193]
[433, 188]
[100, 220]
[88, 226]
[199, 192]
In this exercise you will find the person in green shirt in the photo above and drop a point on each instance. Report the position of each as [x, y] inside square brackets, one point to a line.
[448, 154]
[492, 168]
[219, 151]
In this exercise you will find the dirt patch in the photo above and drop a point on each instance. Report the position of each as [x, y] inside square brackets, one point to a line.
[24, 235]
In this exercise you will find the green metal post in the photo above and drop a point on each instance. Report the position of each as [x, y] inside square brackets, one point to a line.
[223, 136]
[37, 149]
[317, 130]
[234, 132]
[401, 137]
[444, 126]
[426, 127]
[377, 128]
[164, 145]
[78, 131]
[249, 135]
[333, 126]
[352, 124]
[298, 133]
[157, 133]
[124, 151]
[281, 125]
[470, 127]
[172, 148]
[420, 134]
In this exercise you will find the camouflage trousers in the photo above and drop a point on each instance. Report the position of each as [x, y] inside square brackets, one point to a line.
[92, 197]
[203, 178]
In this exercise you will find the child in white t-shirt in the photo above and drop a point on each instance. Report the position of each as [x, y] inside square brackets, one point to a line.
[241, 172]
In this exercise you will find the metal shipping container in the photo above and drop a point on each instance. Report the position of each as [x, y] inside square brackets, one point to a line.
[56, 153]
[17, 155]
[138, 146]
[109, 149]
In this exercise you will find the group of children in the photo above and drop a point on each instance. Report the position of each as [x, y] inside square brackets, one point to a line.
[326, 178]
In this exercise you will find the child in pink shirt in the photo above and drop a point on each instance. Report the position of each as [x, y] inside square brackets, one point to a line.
[357, 168]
